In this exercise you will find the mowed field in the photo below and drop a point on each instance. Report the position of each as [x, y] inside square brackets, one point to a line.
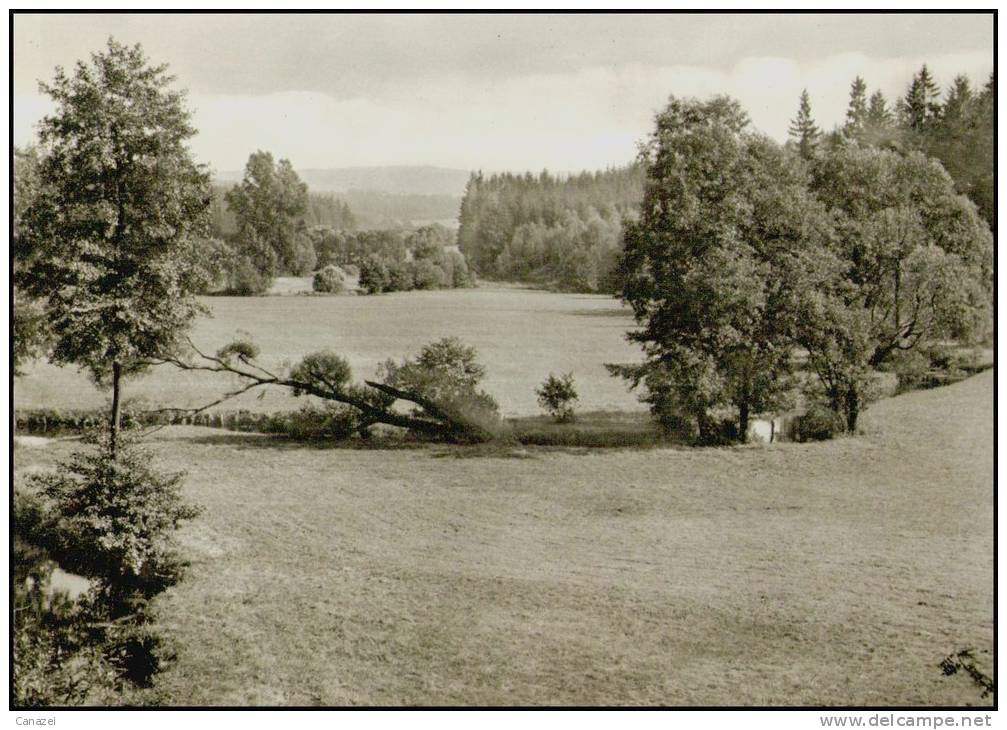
[819, 574]
[521, 336]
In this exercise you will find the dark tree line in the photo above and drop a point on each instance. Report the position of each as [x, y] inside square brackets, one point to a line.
[954, 126]
[561, 232]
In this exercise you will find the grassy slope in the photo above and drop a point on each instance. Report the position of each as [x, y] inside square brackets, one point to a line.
[795, 574]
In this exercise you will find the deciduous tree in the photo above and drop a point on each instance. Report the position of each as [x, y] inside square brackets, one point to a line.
[108, 240]
[723, 209]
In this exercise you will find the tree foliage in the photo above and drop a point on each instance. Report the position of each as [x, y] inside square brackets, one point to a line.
[707, 267]
[958, 131]
[743, 253]
[107, 241]
[911, 264]
[269, 206]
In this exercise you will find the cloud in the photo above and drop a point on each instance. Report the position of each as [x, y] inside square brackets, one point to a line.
[589, 118]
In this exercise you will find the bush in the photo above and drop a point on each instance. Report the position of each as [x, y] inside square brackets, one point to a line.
[374, 275]
[328, 280]
[401, 277]
[55, 660]
[428, 275]
[912, 369]
[330, 422]
[557, 396]
[117, 518]
[819, 423]
[325, 370]
[246, 280]
[447, 373]
[461, 277]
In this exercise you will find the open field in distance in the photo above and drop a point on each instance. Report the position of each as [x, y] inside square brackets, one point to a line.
[521, 336]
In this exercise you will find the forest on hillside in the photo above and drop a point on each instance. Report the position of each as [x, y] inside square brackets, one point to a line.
[561, 232]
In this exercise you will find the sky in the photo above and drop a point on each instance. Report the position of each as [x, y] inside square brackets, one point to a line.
[494, 91]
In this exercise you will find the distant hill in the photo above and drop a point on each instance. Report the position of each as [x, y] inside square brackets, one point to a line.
[395, 179]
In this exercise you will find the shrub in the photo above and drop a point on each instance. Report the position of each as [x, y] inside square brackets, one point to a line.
[117, 518]
[428, 275]
[557, 396]
[330, 421]
[819, 423]
[461, 277]
[912, 369]
[324, 370]
[374, 275]
[55, 659]
[328, 280]
[401, 276]
[246, 280]
[447, 373]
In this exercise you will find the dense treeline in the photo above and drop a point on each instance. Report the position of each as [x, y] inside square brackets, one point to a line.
[955, 127]
[561, 232]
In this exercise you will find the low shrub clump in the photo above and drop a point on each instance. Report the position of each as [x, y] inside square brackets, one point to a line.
[819, 423]
[328, 422]
[329, 281]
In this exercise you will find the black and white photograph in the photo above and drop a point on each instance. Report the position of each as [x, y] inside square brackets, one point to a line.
[564, 359]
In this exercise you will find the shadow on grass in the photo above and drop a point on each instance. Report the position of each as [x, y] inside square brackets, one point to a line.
[279, 442]
[626, 315]
[527, 438]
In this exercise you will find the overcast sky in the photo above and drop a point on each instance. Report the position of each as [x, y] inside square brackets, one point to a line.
[497, 92]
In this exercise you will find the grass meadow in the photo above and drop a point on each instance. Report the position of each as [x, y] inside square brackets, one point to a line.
[833, 573]
[521, 336]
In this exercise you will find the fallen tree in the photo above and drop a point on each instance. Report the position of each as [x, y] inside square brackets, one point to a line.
[440, 386]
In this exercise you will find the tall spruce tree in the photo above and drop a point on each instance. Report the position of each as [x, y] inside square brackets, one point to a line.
[803, 130]
[921, 104]
[856, 110]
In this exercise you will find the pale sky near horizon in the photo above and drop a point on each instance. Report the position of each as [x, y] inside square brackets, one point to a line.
[495, 91]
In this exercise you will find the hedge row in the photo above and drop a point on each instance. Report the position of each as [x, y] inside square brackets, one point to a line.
[50, 421]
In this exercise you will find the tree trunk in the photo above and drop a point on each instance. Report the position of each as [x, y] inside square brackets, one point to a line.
[852, 411]
[743, 422]
[114, 425]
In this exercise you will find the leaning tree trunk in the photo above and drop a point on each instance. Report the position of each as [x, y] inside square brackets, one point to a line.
[115, 421]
